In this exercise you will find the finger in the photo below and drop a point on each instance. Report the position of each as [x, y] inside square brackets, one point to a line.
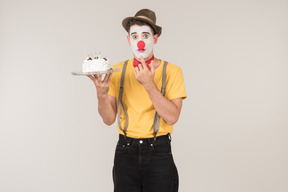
[143, 62]
[95, 79]
[141, 67]
[107, 76]
[136, 74]
[142, 59]
[91, 77]
[99, 78]
[136, 70]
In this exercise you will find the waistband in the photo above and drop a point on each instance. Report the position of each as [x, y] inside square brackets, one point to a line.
[159, 139]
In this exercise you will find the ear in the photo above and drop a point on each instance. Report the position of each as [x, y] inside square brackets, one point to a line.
[128, 38]
[155, 38]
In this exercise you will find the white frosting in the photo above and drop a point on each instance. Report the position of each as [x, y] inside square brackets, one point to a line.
[95, 65]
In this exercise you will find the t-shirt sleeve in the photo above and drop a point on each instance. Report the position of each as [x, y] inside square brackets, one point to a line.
[175, 87]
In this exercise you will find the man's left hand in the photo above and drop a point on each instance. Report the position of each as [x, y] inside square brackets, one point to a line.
[144, 75]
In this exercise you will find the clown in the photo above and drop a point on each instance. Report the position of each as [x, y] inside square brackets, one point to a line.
[146, 99]
[141, 39]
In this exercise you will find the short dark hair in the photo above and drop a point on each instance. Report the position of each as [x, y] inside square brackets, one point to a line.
[140, 23]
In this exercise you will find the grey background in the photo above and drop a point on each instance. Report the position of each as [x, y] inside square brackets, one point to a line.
[232, 133]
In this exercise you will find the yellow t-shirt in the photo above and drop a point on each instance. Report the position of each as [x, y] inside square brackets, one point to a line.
[137, 102]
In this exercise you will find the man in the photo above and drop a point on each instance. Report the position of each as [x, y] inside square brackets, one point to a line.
[147, 95]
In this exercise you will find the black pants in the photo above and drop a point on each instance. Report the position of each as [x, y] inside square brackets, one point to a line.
[144, 165]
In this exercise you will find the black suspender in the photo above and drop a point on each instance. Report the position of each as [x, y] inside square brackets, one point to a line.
[156, 123]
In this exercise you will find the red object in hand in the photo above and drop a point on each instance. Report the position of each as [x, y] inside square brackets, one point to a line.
[141, 45]
[136, 62]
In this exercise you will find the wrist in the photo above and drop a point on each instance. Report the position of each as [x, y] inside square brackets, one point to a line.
[101, 96]
[150, 86]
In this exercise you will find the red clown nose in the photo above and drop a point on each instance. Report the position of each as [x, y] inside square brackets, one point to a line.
[140, 44]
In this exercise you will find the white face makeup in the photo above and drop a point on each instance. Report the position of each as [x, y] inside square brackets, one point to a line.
[141, 33]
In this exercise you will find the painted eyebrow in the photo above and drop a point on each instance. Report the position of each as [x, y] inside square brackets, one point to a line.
[142, 33]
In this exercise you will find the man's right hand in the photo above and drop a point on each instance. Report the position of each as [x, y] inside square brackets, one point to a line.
[107, 107]
[101, 86]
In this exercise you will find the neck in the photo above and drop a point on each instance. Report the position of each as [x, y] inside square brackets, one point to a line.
[137, 62]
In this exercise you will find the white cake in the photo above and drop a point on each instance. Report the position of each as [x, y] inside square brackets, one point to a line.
[95, 64]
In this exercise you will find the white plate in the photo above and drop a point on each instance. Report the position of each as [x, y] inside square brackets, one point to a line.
[97, 72]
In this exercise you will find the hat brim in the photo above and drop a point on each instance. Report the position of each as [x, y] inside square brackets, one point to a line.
[126, 21]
